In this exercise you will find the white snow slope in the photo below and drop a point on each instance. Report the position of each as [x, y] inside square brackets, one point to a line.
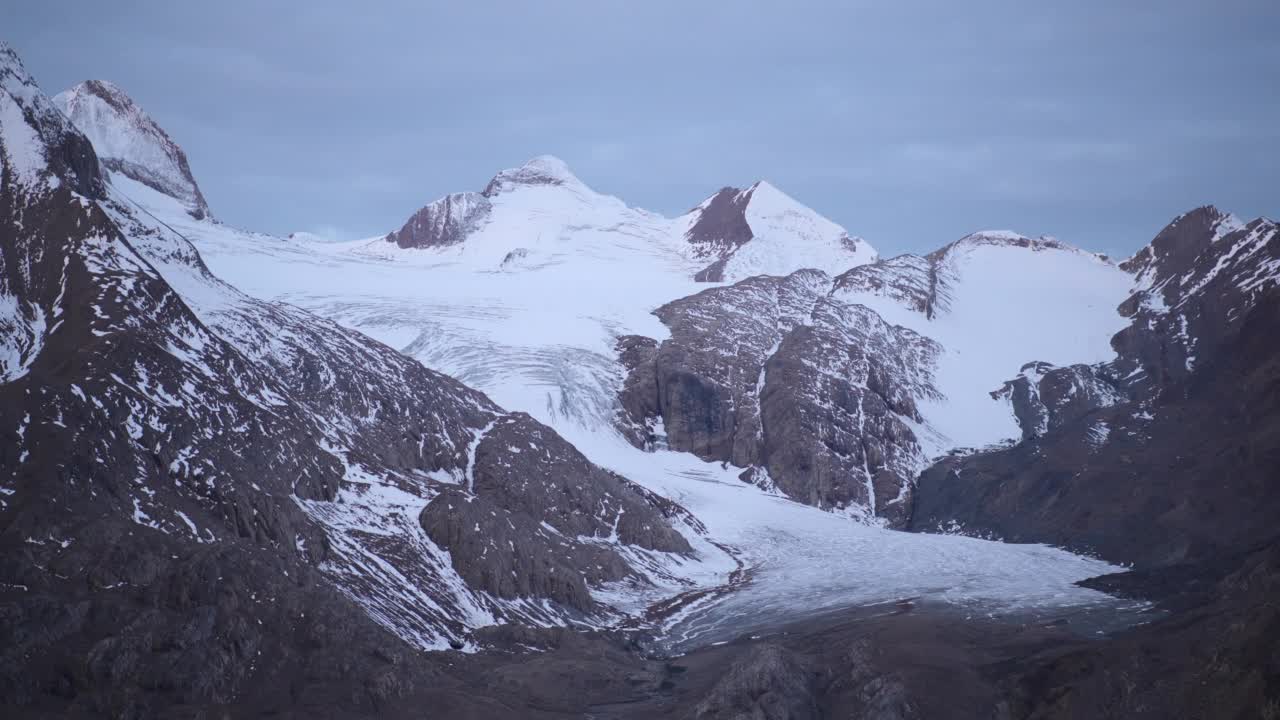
[1004, 300]
[787, 236]
[527, 310]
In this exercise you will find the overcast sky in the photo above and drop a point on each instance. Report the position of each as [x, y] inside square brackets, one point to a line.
[910, 123]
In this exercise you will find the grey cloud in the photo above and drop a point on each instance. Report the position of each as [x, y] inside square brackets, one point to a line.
[909, 123]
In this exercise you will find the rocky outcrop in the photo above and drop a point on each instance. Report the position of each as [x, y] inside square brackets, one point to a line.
[910, 280]
[447, 221]
[704, 382]
[809, 395]
[720, 229]
[1178, 248]
[527, 467]
[1045, 397]
[512, 555]
[710, 373]
[839, 408]
[638, 399]
[540, 521]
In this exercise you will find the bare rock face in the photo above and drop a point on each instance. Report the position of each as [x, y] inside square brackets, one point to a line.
[706, 377]
[836, 402]
[763, 231]
[915, 281]
[1178, 248]
[451, 219]
[445, 222]
[68, 155]
[721, 229]
[809, 395]
[1196, 281]
[1045, 397]
[638, 399]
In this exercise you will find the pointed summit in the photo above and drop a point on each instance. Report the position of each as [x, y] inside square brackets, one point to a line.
[541, 170]
[1176, 248]
[130, 143]
[38, 147]
[764, 231]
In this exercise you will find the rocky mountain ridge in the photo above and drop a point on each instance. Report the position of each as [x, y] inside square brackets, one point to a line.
[130, 143]
[732, 235]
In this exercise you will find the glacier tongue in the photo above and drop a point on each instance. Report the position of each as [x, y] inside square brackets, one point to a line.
[804, 562]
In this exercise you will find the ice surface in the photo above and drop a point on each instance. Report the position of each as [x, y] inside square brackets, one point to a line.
[806, 561]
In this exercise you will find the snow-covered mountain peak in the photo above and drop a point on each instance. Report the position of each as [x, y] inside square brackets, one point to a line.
[764, 231]
[13, 71]
[996, 236]
[37, 144]
[541, 170]
[129, 142]
[966, 246]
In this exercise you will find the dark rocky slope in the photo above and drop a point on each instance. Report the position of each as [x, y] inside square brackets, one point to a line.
[188, 476]
[1166, 454]
[1215, 656]
[1171, 467]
